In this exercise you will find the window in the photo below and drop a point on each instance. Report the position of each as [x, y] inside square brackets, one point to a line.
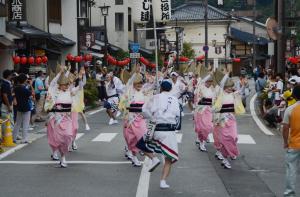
[119, 21]
[129, 20]
[119, 2]
[54, 11]
[3, 10]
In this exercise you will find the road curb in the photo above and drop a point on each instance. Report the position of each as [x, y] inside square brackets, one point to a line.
[256, 119]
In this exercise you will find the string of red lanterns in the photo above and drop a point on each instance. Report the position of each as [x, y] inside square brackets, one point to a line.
[30, 60]
[79, 58]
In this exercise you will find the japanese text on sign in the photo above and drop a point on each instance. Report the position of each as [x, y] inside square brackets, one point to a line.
[17, 10]
[162, 10]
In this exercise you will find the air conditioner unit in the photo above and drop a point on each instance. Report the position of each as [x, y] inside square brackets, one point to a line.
[3, 26]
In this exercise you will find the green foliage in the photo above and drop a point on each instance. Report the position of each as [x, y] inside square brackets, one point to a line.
[90, 92]
[188, 51]
[120, 54]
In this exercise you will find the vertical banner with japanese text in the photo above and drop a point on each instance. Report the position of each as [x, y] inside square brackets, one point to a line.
[142, 11]
[162, 10]
[17, 10]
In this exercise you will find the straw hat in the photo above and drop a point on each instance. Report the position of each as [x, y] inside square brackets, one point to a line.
[63, 80]
[229, 83]
[138, 79]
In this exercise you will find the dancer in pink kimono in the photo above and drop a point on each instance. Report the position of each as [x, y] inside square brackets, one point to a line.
[134, 122]
[60, 126]
[204, 96]
[228, 103]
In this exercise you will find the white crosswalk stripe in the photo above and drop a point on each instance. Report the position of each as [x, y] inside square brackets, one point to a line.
[108, 137]
[242, 139]
[79, 135]
[105, 137]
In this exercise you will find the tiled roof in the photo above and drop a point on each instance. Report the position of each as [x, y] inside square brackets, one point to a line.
[246, 37]
[194, 11]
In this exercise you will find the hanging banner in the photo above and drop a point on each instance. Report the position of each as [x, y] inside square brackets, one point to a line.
[17, 10]
[162, 10]
[141, 11]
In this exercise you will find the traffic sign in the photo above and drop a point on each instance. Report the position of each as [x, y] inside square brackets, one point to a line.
[135, 47]
[135, 55]
[205, 48]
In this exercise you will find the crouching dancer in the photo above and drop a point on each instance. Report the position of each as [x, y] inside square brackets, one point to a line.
[163, 109]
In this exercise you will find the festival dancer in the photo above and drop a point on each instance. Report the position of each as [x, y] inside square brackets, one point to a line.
[228, 103]
[78, 103]
[204, 96]
[59, 126]
[163, 109]
[114, 88]
[134, 123]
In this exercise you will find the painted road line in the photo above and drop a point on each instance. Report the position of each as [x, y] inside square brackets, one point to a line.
[179, 137]
[79, 135]
[242, 139]
[262, 127]
[18, 147]
[96, 111]
[69, 162]
[143, 186]
[105, 137]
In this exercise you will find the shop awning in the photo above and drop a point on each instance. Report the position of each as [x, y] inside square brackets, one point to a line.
[26, 30]
[247, 37]
[5, 43]
[61, 40]
[110, 46]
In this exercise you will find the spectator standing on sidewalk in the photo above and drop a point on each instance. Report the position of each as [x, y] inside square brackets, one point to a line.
[260, 85]
[242, 86]
[22, 95]
[291, 139]
[6, 96]
[40, 91]
[278, 90]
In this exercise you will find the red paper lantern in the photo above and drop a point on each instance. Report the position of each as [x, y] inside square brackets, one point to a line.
[23, 60]
[201, 57]
[78, 59]
[38, 60]
[144, 61]
[31, 60]
[70, 57]
[16, 59]
[88, 57]
[152, 65]
[44, 59]
[237, 60]
[183, 59]
[293, 60]
[128, 60]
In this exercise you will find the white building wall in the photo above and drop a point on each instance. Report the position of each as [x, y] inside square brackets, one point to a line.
[118, 38]
[69, 25]
[194, 33]
[5, 60]
[36, 12]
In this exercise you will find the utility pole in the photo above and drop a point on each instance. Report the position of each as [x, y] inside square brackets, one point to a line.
[177, 45]
[206, 32]
[254, 35]
[281, 44]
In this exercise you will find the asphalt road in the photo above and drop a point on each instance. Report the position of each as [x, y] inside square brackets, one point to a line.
[99, 168]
